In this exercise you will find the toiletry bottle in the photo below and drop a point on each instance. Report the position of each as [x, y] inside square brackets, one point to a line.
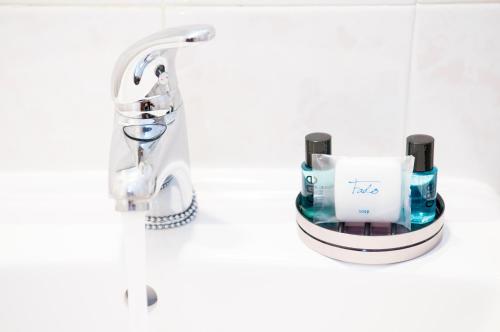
[423, 180]
[316, 143]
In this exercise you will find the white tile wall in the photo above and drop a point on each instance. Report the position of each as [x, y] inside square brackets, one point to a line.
[83, 2]
[235, 2]
[211, 2]
[456, 1]
[288, 2]
[272, 74]
[55, 66]
[456, 87]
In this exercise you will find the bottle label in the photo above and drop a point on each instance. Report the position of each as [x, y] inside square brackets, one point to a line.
[430, 191]
[310, 181]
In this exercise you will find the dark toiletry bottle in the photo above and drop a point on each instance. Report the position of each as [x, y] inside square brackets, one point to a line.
[316, 143]
[424, 178]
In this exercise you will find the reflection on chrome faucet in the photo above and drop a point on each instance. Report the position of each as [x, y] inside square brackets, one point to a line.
[149, 159]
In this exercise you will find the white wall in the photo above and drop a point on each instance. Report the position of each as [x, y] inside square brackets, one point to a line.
[276, 70]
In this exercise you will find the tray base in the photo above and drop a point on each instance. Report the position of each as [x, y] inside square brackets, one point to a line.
[371, 249]
[369, 257]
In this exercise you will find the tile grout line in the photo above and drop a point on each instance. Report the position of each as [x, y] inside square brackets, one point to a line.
[409, 88]
[163, 11]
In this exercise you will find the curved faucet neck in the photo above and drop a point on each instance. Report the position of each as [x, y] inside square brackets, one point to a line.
[149, 149]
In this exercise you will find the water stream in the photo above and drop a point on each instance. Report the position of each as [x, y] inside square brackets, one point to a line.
[134, 243]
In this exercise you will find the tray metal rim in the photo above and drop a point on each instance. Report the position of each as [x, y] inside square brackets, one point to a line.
[377, 242]
[370, 257]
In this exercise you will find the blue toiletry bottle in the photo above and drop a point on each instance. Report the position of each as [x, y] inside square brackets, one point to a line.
[316, 143]
[423, 180]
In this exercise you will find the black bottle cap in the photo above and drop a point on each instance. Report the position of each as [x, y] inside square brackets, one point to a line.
[319, 143]
[422, 148]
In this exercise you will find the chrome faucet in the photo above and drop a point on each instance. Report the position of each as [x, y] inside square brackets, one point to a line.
[149, 159]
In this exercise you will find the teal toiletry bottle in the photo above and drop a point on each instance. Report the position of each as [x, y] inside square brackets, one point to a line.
[316, 143]
[423, 180]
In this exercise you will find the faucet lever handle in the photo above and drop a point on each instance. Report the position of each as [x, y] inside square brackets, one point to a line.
[176, 37]
[129, 68]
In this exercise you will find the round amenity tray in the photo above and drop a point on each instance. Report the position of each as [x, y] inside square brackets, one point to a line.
[398, 245]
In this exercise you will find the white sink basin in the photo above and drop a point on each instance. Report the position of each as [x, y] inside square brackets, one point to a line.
[239, 267]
